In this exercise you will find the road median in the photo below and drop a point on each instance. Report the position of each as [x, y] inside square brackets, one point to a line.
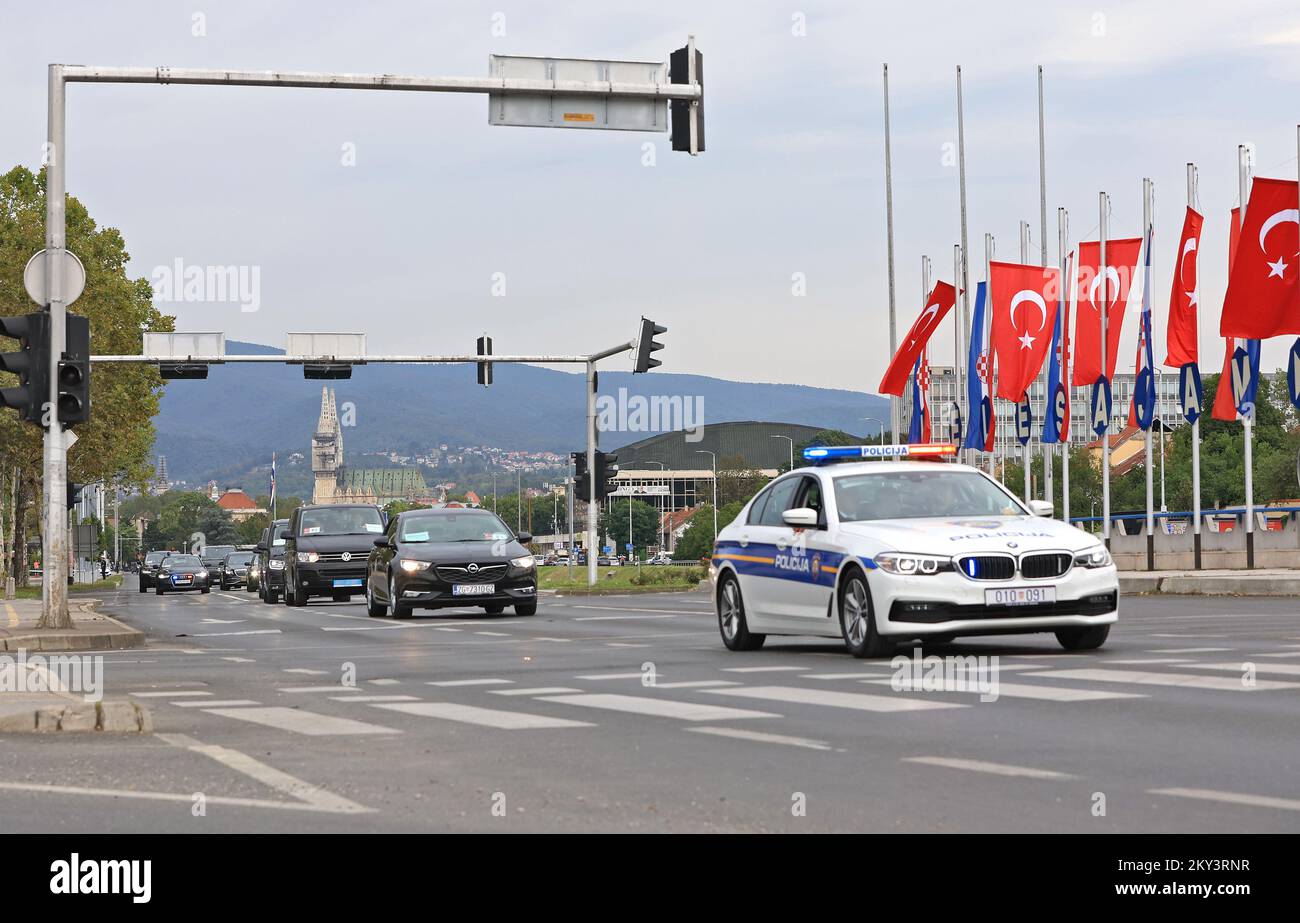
[1273, 583]
[91, 630]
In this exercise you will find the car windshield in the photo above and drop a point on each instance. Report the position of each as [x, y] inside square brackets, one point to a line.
[154, 557]
[343, 520]
[918, 494]
[466, 526]
[242, 557]
[182, 560]
[217, 552]
[277, 536]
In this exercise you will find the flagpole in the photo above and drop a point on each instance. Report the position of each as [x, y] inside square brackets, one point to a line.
[1196, 424]
[964, 285]
[957, 357]
[889, 236]
[1048, 461]
[1247, 419]
[1062, 220]
[1104, 207]
[1148, 194]
[988, 306]
[1025, 452]
[925, 293]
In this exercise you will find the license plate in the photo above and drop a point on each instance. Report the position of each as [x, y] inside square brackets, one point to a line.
[356, 582]
[473, 589]
[1020, 596]
[184, 579]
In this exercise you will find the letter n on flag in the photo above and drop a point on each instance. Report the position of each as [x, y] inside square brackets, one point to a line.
[901, 365]
[1021, 334]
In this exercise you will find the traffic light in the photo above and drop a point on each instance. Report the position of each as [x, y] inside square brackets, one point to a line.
[642, 360]
[581, 476]
[679, 72]
[74, 494]
[484, 347]
[606, 471]
[183, 371]
[31, 365]
[330, 371]
[74, 372]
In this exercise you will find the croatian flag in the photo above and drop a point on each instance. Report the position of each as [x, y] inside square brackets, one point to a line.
[919, 428]
[1056, 421]
[1142, 409]
[979, 379]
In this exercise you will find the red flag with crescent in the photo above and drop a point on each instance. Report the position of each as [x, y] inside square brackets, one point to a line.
[1180, 333]
[1224, 406]
[1021, 334]
[1263, 298]
[937, 307]
[1121, 267]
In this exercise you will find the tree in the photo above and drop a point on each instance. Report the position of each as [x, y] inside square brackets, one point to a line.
[826, 437]
[697, 541]
[737, 481]
[285, 504]
[645, 524]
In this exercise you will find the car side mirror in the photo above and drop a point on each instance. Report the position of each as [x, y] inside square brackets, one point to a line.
[523, 538]
[1041, 507]
[801, 517]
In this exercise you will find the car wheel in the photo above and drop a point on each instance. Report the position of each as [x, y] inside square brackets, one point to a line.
[1083, 639]
[731, 618]
[340, 597]
[495, 608]
[858, 620]
[206, 590]
[143, 588]
[395, 609]
[528, 608]
[373, 609]
[270, 597]
[298, 599]
[158, 590]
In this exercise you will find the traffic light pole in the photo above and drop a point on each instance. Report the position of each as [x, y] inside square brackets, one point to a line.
[592, 508]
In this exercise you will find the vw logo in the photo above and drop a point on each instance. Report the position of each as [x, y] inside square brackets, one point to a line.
[346, 556]
[473, 568]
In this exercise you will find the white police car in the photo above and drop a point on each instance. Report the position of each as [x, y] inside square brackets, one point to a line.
[889, 551]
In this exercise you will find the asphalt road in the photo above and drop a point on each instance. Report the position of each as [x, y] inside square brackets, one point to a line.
[464, 722]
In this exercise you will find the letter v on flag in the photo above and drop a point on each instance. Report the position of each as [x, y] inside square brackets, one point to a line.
[1263, 299]
[937, 307]
[1021, 334]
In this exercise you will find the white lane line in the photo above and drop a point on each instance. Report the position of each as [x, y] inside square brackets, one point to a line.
[228, 634]
[760, 737]
[618, 618]
[673, 612]
[384, 682]
[694, 684]
[1284, 654]
[1190, 680]
[609, 675]
[485, 717]
[623, 644]
[444, 628]
[222, 621]
[317, 689]
[362, 627]
[310, 797]
[163, 695]
[371, 699]
[660, 708]
[537, 690]
[997, 769]
[1144, 661]
[832, 699]
[1191, 650]
[1281, 669]
[494, 634]
[301, 722]
[472, 682]
[859, 674]
[762, 669]
[1023, 691]
[231, 659]
[306, 671]
[213, 703]
[165, 796]
[1254, 801]
[556, 640]
[238, 599]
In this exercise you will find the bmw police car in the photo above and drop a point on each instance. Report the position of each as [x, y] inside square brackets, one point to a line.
[904, 548]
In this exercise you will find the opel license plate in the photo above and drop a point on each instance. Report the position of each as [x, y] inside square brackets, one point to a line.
[473, 589]
[1020, 596]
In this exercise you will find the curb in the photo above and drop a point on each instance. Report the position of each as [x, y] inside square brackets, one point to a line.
[121, 637]
[621, 591]
[1142, 585]
[102, 717]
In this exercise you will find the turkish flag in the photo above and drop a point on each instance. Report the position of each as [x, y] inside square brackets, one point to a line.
[1263, 299]
[1121, 267]
[937, 307]
[1021, 333]
[1180, 340]
[1224, 406]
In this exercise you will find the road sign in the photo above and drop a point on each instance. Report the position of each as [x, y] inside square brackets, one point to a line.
[628, 546]
[1101, 405]
[1190, 394]
[183, 345]
[558, 110]
[325, 345]
[74, 278]
[1024, 421]
[640, 490]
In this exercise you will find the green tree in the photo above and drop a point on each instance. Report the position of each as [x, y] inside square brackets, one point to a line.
[285, 504]
[697, 539]
[645, 524]
[826, 437]
[737, 481]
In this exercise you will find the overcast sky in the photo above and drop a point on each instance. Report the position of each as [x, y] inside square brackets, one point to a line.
[404, 244]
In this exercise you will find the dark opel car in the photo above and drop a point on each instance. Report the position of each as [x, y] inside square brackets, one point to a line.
[179, 572]
[430, 559]
[325, 551]
[270, 561]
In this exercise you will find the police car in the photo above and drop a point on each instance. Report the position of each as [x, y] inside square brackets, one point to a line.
[908, 547]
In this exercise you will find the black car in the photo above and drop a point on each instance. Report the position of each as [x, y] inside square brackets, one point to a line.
[179, 572]
[430, 559]
[254, 573]
[213, 555]
[270, 561]
[325, 550]
[149, 569]
[233, 569]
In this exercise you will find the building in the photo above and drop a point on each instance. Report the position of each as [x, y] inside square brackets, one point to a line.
[336, 482]
[238, 504]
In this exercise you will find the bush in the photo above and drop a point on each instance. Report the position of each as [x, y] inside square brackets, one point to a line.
[671, 574]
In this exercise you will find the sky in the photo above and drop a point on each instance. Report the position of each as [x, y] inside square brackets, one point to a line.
[407, 217]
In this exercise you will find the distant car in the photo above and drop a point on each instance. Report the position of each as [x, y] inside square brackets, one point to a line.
[433, 558]
[213, 555]
[233, 569]
[270, 562]
[180, 572]
[149, 569]
[254, 573]
[325, 552]
[539, 559]
[660, 559]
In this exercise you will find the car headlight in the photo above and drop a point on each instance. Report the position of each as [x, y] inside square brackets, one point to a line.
[276, 565]
[412, 567]
[523, 563]
[201, 573]
[910, 565]
[308, 557]
[1093, 557]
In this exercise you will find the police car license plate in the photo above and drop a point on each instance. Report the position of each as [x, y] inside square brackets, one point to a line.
[1020, 596]
[473, 589]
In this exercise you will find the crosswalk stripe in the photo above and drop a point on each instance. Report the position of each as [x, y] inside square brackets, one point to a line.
[997, 769]
[374, 698]
[1255, 801]
[318, 689]
[539, 690]
[306, 671]
[833, 699]
[213, 703]
[694, 684]
[1191, 650]
[301, 722]
[1282, 669]
[1024, 691]
[760, 737]
[384, 682]
[472, 682]
[660, 708]
[485, 717]
[762, 669]
[175, 693]
[858, 674]
[633, 675]
[1189, 680]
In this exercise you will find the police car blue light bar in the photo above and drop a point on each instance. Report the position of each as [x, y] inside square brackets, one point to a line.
[828, 453]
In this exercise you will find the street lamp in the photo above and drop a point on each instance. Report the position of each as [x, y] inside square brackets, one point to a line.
[662, 467]
[791, 441]
[494, 491]
[882, 427]
[714, 460]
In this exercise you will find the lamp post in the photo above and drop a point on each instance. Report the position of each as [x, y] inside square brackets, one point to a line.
[882, 427]
[791, 441]
[714, 462]
[662, 467]
[494, 491]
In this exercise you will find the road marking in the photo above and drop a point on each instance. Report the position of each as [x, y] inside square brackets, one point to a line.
[485, 717]
[557, 640]
[164, 796]
[318, 689]
[694, 684]
[472, 682]
[997, 769]
[1284, 654]
[228, 634]
[370, 699]
[1022, 691]
[660, 708]
[623, 644]
[13, 615]
[306, 671]
[162, 695]
[670, 612]
[1254, 801]
[238, 599]
[222, 621]
[827, 697]
[362, 627]
[1282, 669]
[538, 690]
[762, 669]
[237, 660]
[1191, 650]
[1149, 660]
[384, 682]
[214, 703]
[760, 737]
[310, 796]
[494, 634]
[860, 674]
[301, 722]
[610, 675]
[617, 618]
[1167, 679]
[444, 628]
